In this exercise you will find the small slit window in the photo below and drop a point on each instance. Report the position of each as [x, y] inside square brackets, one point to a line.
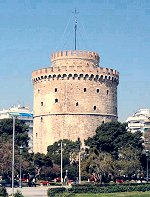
[41, 119]
[41, 103]
[56, 100]
[97, 90]
[94, 107]
[77, 103]
[84, 89]
[55, 89]
[107, 91]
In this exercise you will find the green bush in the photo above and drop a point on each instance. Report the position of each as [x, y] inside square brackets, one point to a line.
[18, 194]
[53, 192]
[3, 192]
[109, 188]
[80, 189]
[65, 194]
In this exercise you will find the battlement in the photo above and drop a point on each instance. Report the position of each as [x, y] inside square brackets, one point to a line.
[70, 55]
[80, 72]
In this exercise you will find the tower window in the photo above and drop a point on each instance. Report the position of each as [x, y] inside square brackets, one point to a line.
[94, 107]
[55, 89]
[103, 122]
[41, 119]
[97, 90]
[56, 100]
[77, 103]
[41, 103]
[36, 135]
[84, 89]
[38, 90]
[107, 91]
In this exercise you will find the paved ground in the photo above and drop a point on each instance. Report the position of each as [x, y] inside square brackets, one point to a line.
[31, 191]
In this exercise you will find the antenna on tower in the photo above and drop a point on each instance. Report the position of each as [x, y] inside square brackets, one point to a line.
[75, 28]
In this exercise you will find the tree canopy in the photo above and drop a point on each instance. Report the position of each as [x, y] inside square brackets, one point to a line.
[110, 137]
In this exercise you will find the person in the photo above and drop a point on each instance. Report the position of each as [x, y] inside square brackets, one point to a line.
[33, 182]
[66, 180]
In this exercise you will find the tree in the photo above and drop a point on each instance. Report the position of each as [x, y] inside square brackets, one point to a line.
[70, 156]
[110, 137]
[99, 164]
[21, 138]
[128, 162]
[69, 147]
[21, 131]
[42, 164]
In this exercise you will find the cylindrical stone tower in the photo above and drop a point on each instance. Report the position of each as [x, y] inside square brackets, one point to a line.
[72, 98]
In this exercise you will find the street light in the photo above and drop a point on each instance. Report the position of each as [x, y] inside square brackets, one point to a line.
[13, 115]
[61, 158]
[79, 147]
[147, 154]
[21, 149]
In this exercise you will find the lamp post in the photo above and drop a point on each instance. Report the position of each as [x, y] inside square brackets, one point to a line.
[147, 154]
[61, 161]
[20, 182]
[13, 156]
[79, 160]
[14, 115]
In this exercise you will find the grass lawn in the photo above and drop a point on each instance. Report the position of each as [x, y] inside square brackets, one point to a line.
[123, 194]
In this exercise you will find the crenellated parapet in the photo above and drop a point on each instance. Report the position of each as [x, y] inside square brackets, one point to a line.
[72, 97]
[74, 57]
[72, 72]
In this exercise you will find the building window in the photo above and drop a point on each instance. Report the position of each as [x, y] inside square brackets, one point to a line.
[55, 89]
[38, 90]
[77, 103]
[103, 122]
[94, 107]
[36, 135]
[41, 119]
[97, 90]
[56, 100]
[41, 103]
[107, 91]
[84, 89]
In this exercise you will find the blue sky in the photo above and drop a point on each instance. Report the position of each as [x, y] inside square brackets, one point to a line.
[119, 30]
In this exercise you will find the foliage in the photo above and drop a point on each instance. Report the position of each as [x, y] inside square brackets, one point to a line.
[3, 192]
[70, 156]
[109, 188]
[54, 192]
[117, 194]
[18, 194]
[95, 189]
[111, 136]
[21, 138]
[128, 161]
[69, 147]
[21, 131]
[98, 164]
[42, 163]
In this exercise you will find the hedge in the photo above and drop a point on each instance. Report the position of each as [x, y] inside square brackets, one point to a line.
[55, 192]
[3, 192]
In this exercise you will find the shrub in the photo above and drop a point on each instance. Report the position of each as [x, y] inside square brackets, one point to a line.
[18, 194]
[3, 192]
[61, 192]
[53, 192]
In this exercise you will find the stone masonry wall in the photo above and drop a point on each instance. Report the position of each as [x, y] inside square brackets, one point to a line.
[72, 98]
